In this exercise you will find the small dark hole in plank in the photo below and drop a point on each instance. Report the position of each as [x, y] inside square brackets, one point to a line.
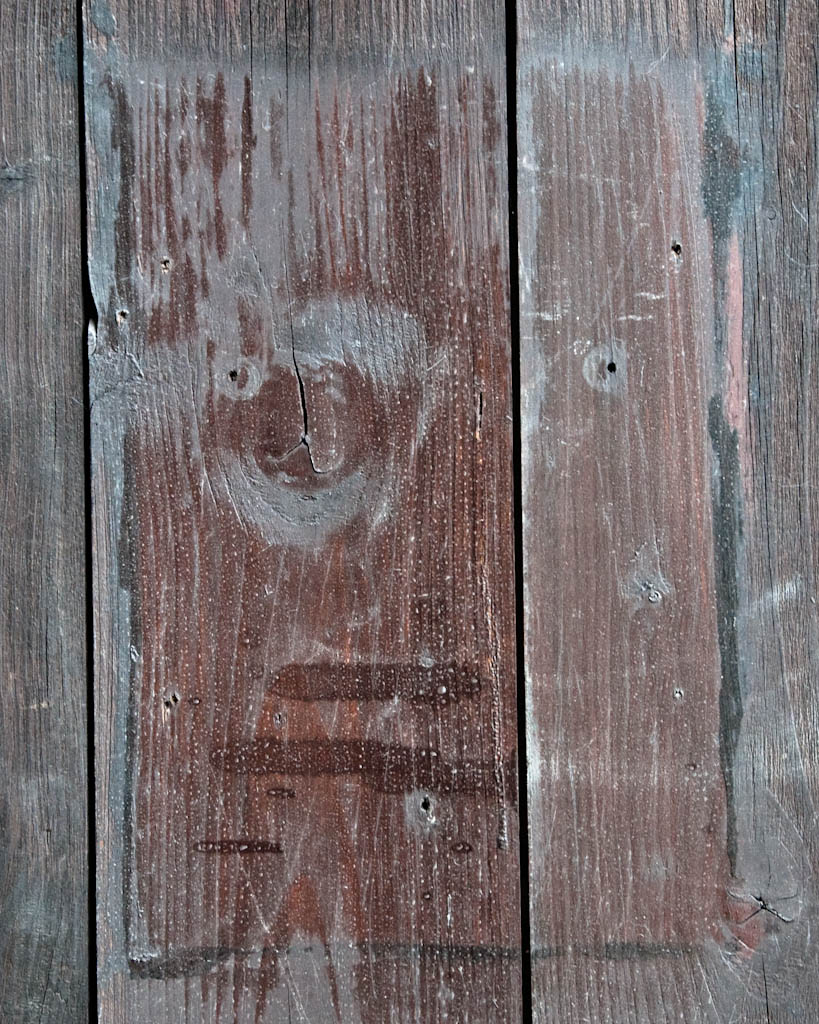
[612, 367]
[425, 804]
[166, 265]
[234, 375]
[676, 248]
[122, 316]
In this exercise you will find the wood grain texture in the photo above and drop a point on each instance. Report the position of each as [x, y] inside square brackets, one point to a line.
[305, 647]
[668, 265]
[43, 686]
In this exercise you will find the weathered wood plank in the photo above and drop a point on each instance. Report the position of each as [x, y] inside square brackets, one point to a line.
[668, 267]
[43, 687]
[302, 478]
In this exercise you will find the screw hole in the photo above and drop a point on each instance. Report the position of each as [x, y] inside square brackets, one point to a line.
[676, 248]
[166, 265]
[425, 804]
[612, 367]
[234, 375]
[122, 316]
[678, 694]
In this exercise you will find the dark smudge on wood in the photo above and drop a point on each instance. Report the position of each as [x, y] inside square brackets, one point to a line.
[387, 767]
[237, 846]
[727, 530]
[248, 145]
[436, 684]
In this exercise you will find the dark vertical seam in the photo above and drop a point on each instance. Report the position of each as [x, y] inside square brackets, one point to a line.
[514, 316]
[89, 319]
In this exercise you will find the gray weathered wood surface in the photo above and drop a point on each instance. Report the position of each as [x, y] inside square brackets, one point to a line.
[43, 782]
[302, 442]
[302, 473]
[667, 189]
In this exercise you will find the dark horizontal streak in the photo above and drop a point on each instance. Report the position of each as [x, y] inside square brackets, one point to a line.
[198, 961]
[237, 846]
[389, 768]
[613, 951]
[436, 684]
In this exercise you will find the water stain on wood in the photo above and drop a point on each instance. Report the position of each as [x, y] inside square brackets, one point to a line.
[390, 768]
[237, 846]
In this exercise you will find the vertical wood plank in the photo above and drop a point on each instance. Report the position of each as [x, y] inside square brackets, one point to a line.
[668, 280]
[303, 487]
[43, 686]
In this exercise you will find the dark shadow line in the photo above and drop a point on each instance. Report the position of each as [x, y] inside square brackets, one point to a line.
[202, 960]
[514, 316]
[89, 318]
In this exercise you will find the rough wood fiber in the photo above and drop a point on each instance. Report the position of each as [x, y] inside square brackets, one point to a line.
[306, 708]
[668, 262]
[43, 784]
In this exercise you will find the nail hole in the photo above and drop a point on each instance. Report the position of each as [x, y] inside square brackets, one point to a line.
[676, 248]
[678, 694]
[234, 375]
[122, 316]
[166, 265]
[425, 804]
[612, 367]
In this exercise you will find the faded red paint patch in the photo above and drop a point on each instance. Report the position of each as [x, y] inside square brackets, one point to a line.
[307, 485]
[628, 823]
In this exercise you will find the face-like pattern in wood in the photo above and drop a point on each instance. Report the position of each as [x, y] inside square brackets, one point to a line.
[316, 526]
